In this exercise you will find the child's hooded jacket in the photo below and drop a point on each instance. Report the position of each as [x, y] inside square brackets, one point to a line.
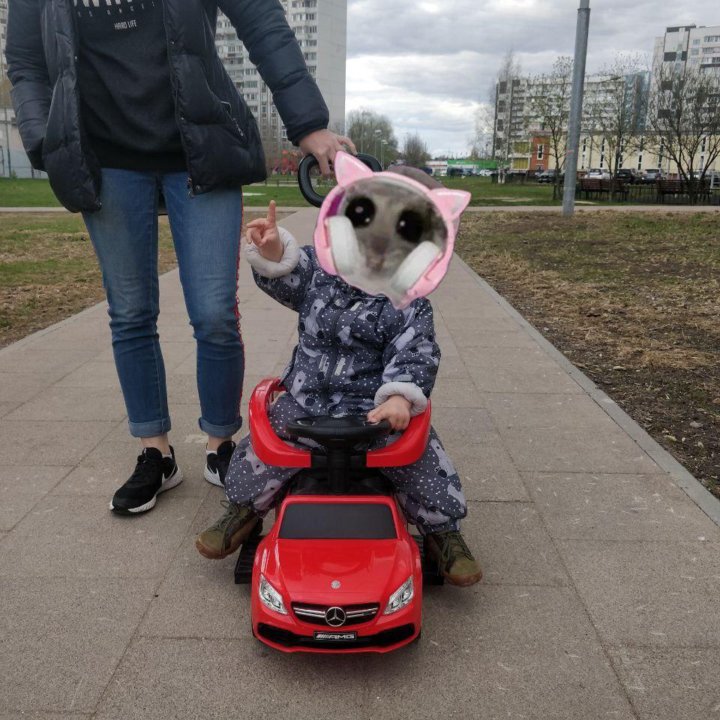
[354, 350]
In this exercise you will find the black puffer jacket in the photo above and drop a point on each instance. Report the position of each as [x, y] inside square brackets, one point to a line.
[219, 134]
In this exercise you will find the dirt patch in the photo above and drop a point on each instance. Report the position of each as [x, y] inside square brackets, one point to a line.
[632, 301]
[48, 270]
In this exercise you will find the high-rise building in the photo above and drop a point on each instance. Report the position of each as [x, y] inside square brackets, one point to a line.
[519, 134]
[688, 46]
[321, 29]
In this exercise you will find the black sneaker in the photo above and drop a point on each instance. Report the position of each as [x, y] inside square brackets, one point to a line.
[153, 474]
[217, 463]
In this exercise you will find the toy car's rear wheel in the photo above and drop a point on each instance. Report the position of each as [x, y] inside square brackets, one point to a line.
[246, 557]
[431, 571]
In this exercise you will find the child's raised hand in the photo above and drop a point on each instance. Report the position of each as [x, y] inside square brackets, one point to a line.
[264, 234]
[396, 410]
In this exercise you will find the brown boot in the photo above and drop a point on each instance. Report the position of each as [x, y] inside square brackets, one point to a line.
[454, 558]
[228, 533]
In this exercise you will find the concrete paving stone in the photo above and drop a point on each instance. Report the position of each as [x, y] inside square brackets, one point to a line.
[547, 450]
[648, 594]
[520, 652]
[517, 370]
[473, 338]
[670, 683]
[458, 393]
[511, 545]
[63, 638]
[175, 333]
[103, 479]
[62, 404]
[88, 333]
[463, 427]
[31, 359]
[455, 307]
[453, 368]
[63, 443]
[487, 473]
[182, 389]
[562, 411]
[7, 407]
[618, 507]
[21, 487]
[93, 374]
[20, 387]
[55, 540]
[199, 678]
[467, 333]
[43, 716]
[198, 597]
[448, 348]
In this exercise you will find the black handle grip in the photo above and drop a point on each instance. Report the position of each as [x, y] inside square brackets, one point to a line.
[309, 163]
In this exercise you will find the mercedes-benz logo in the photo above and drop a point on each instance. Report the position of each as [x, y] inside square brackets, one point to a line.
[335, 617]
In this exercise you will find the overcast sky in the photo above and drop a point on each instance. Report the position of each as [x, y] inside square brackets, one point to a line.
[427, 64]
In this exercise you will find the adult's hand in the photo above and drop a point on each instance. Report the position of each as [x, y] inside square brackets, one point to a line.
[324, 144]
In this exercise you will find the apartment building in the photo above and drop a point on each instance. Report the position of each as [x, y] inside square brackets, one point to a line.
[321, 29]
[689, 46]
[521, 143]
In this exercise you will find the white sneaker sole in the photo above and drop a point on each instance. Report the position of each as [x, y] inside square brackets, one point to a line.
[212, 477]
[168, 484]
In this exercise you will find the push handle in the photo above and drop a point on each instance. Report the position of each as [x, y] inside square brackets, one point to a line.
[266, 444]
[408, 449]
[310, 162]
[269, 448]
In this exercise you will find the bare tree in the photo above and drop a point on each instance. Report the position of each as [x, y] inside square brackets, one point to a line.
[372, 133]
[415, 151]
[547, 112]
[684, 122]
[481, 141]
[616, 109]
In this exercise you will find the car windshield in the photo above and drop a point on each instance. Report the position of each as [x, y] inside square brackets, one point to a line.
[337, 521]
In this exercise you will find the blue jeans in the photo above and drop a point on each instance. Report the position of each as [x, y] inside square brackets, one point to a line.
[206, 233]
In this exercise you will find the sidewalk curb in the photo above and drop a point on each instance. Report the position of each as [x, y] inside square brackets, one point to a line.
[687, 482]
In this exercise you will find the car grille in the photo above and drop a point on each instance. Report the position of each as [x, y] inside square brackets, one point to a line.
[386, 638]
[317, 614]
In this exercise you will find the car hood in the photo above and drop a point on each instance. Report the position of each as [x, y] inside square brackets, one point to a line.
[347, 571]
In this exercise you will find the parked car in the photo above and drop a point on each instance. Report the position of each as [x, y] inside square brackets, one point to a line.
[628, 175]
[598, 174]
[484, 172]
[456, 172]
[652, 175]
[549, 176]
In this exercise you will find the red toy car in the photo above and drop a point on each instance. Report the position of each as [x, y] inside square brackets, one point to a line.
[338, 572]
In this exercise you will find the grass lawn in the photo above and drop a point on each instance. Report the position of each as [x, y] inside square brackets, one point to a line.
[37, 193]
[48, 270]
[633, 300]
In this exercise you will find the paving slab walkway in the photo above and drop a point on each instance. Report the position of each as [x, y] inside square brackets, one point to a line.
[601, 598]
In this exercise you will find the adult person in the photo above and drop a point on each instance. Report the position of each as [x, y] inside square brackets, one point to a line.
[119, 101]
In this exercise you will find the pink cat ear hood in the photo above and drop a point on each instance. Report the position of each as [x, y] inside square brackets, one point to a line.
[428, 269]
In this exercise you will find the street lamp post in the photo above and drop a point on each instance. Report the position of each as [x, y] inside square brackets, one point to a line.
[576, 107]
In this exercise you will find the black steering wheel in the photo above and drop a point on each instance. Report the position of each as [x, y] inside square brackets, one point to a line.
[310, 162]
[349, 428]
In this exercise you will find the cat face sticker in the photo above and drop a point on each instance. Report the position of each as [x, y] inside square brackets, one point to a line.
[386, 233]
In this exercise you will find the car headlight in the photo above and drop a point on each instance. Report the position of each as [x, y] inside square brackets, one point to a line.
[401, 597]
[270, 597]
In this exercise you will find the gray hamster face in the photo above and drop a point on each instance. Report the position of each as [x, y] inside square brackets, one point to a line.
[390, 221]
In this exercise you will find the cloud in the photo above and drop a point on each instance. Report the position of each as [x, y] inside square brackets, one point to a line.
[428, 64]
